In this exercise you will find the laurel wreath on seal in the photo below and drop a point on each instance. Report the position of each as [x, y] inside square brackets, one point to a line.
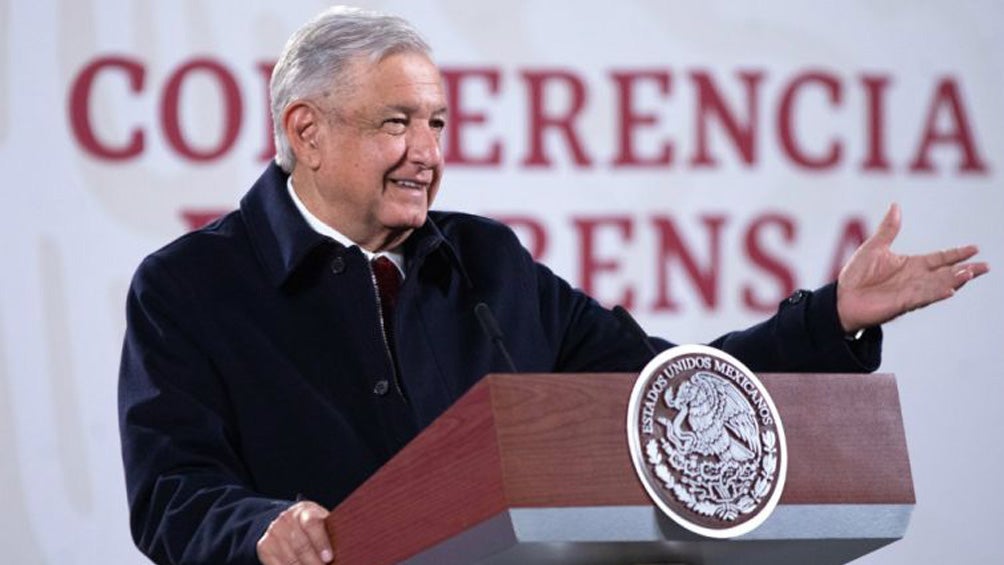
[729, 509]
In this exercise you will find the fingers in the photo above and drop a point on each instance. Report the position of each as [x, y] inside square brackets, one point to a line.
[942, 283]
[889, 228]
[297, 537]
[317, 534]
[965, 273]
[952, 256]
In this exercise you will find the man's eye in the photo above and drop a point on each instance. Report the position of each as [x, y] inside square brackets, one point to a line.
[395, 124]
[437, 123]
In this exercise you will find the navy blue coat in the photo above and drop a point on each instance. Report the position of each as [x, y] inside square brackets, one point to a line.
[254, 369]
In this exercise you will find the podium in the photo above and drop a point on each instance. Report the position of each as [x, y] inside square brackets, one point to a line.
[534, 468]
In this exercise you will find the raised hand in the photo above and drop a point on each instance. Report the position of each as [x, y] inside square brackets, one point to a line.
[877, 285]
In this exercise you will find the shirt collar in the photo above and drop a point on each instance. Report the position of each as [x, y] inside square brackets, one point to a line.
[395, 255]
[283, 240]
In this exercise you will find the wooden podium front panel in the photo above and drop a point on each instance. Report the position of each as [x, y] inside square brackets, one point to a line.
[563, 439]
[845, 439]
[560, 441]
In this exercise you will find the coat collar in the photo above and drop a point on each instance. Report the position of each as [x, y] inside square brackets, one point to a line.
[282, 239]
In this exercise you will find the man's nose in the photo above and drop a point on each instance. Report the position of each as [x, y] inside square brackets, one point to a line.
[423, 146]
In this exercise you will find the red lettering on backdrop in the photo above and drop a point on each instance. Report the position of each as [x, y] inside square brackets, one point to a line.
[590, 265]
[630, 119]
[672, 249]
[531, 231]
[947, 96]
[711, 103]
[555, 101]
[80, 108]
[540, 120]
[268, 150]
[768, 263]
[786, 119]
[875, 87]
[460, 117]
[195, 219]
[231, 99]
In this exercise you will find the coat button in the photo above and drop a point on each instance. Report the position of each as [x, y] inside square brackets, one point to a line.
[797, 297]
[381, 387]
[338, 265]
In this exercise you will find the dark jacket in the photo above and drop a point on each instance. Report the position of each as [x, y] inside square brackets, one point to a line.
[255, 371]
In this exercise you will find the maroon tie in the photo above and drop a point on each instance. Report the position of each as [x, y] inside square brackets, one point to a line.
[388, 281]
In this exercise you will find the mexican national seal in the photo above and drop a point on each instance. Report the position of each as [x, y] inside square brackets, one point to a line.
[706, 441]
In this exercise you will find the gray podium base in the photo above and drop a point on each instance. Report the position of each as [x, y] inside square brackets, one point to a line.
[794, 534]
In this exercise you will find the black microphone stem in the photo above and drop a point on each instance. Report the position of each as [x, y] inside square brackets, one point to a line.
[492, 330]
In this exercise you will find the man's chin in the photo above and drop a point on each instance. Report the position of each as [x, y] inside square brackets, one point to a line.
[417, 220]
[409, 221]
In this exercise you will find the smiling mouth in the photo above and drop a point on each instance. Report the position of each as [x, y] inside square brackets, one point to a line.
[410, 184]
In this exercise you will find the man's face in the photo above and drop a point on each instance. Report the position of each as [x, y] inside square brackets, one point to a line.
[381, 162]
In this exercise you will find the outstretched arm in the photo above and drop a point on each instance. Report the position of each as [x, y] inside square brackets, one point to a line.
[878, 285]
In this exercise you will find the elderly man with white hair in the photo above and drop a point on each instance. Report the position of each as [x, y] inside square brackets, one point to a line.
[278, 357]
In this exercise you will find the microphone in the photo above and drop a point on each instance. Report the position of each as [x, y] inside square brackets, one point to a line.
[491, 328]
[630, 324]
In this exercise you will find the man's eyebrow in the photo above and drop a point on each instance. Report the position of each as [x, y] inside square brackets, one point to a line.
[408, 109]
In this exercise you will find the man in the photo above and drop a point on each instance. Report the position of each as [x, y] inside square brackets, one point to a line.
[274, 360]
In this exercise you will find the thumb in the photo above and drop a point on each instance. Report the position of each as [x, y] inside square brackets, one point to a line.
[888, 229]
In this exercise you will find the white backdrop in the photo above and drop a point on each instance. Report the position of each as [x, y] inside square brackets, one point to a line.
[791, 129]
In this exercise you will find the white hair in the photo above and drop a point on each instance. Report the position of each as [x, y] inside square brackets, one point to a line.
[315, 58]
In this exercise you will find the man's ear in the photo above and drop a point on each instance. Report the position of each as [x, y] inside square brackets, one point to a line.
[302, 123]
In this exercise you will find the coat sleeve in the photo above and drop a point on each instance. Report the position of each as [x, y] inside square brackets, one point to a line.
[191, 498]
[804, 335]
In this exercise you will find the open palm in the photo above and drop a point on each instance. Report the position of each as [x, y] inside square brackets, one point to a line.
[877, 285]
